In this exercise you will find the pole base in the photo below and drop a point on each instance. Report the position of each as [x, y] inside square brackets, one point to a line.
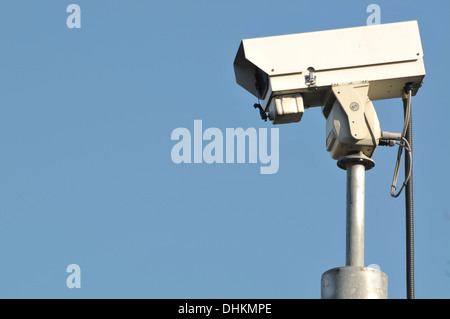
[354, 282]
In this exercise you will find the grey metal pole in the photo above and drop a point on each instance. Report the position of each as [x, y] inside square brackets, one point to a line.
[354, 281]
[355, 214]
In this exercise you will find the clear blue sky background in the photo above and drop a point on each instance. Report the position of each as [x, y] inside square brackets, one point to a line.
[86, 175]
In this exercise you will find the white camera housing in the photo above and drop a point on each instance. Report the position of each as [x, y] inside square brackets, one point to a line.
[386, 56]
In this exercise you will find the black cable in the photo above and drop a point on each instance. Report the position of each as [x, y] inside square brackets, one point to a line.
[409, 202]
[404, 144]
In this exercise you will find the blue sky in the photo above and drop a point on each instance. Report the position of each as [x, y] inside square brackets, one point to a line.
[86, 175]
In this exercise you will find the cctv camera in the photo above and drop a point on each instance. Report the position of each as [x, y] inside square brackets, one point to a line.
[291, 72]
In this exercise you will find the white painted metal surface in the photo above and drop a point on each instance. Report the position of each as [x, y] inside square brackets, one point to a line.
[387, 56]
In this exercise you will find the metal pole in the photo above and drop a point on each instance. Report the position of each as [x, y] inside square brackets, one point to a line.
[355, 214]
[354, 281]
